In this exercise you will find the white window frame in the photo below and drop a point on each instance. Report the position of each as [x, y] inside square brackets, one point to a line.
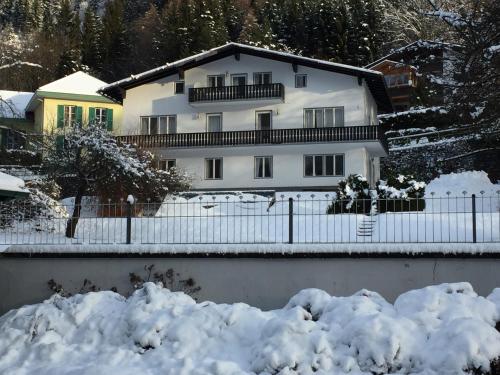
[245, 75]
[208, 115]
[263, 158]
[261, 75]
[213, 161]
[69, 116]
[221, 76]
[163, 164]
[183, 87]
[297, 76]
[98, 117]
[323, 116]
[171, 120]
[324, 156]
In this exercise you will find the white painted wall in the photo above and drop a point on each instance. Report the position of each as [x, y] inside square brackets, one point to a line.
[288, 165]
[324, 89]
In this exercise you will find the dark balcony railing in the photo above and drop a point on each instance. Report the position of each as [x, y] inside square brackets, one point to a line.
[257, 137]
[229, 93]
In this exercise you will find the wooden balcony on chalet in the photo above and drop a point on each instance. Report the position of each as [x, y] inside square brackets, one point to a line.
[271, 91]
[258, 137]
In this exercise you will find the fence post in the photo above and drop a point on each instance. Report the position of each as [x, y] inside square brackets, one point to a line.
[129, 221]
[290, 220]
[474, 232]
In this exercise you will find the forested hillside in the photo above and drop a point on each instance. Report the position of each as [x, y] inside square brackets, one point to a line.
[115, 38]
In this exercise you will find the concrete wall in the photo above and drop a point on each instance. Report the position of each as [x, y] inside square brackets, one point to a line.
[263, 282]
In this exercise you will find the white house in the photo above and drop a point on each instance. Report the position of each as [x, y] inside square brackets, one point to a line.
[241, 117]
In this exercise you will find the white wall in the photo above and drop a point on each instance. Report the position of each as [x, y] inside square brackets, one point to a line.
[288, 165]
[324, 89]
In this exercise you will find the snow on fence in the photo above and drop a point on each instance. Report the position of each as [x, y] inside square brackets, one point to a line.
[255, 219]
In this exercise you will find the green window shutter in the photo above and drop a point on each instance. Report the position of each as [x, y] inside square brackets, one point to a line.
[60, 116]
[59, 143]
[91, 115]
[79, 115]
[109, 120]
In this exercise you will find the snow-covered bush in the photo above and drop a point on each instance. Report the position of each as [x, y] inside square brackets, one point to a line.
[401, 193]
[440, 329]
[353, 195]
[37, 212]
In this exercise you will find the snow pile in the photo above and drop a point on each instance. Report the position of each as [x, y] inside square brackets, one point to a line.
[459, 187]
[435, 330]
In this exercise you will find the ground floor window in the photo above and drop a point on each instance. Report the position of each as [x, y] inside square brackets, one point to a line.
[323, 165]
[166, 164]
[263, 167]
[69, 115]
[159, 124]
[101, 115]
[213, 169]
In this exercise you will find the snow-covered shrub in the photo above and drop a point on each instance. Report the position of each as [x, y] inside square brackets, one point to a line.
[19, 157]
[401, 193]
[353, 196]
[39, 212]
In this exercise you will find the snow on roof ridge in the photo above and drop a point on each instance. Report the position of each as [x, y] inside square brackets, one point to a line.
[76, 83]
[212, 51]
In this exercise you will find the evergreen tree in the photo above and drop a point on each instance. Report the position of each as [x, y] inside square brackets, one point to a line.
[174, 38]
[91, 40]
[145, 34]
[68, 32]
[114, 42]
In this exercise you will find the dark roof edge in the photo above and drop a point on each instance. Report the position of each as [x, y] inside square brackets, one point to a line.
[114, 90]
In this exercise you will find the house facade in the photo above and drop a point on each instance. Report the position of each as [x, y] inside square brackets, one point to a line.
[240, 117]
[73, 98]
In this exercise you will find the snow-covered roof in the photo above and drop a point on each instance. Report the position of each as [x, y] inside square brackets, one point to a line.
[11, 184]
[14, 103]
[374, 79]
[76, 83]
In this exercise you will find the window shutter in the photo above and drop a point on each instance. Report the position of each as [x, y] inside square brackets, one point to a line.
[60, 116]
[59, 143]
[91, 115]
[79, 115]
[109, 120]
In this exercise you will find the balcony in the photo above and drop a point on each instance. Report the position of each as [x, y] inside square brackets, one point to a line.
[272, 91]
[257, 137]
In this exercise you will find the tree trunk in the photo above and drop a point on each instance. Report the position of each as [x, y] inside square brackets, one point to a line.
[73, 220]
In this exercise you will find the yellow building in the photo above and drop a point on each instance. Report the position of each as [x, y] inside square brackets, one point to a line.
[73, 99]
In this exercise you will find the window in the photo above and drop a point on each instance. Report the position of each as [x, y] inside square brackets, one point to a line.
[216, 81]
[394, 80]
[159, 125]
[263, 167]
[323, 117]
[69, 115]
[262, 78]
[238, 79]
[101, 115]
[323, 165]
[300, 80]
[166, 164]
[179, 87]
[214, 122]
[213, 169]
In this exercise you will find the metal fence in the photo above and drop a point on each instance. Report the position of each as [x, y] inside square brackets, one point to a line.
[255, 219]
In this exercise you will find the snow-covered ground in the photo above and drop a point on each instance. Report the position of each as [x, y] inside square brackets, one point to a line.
[247, 218]
[444, 329]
